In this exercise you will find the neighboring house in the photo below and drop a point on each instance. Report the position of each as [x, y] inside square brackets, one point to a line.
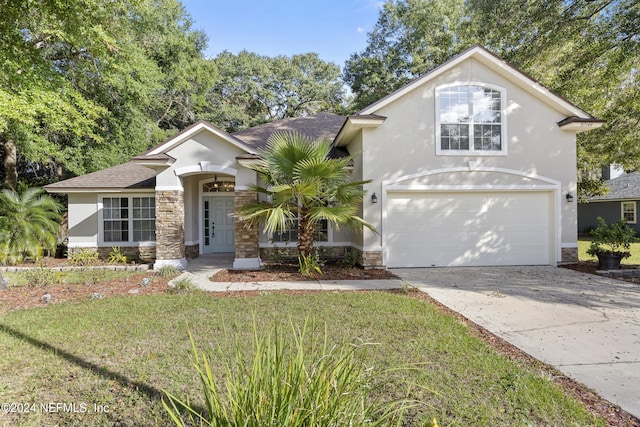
[469, 164]
[621, 202]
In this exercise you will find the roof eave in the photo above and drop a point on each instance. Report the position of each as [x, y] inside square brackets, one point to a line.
[578, 124]
[355, 123]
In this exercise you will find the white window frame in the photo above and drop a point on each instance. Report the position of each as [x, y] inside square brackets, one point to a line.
[635, 212]
[130, 219]
[321, 242]
[472, 151]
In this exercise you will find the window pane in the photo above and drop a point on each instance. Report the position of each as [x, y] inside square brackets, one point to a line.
[454, 105]
[487, 137]
[454, 137]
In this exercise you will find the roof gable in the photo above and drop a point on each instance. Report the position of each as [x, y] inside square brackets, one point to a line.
[190, 132]
[494, 63]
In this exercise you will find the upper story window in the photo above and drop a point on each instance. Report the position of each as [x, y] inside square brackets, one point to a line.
[470, 120]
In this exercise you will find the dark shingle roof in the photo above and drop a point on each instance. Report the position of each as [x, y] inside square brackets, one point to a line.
[316, 126]
[126, 176]
[135, 176]
[626, 186]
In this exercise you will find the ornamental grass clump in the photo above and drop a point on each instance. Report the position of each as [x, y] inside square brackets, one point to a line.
[293, 378]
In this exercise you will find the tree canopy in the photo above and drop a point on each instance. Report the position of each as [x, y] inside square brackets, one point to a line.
[586, 50]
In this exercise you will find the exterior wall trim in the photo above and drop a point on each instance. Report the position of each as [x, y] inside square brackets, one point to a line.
[204, 167]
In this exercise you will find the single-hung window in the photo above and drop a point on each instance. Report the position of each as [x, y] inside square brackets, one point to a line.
[129, 219]
[470, 120]
[629, 212]
[321, 233]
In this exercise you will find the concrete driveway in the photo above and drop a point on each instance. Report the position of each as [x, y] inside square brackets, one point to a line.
[586, 326]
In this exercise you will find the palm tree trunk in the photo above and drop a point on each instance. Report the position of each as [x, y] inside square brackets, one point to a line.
[305, 234]
[10, 164]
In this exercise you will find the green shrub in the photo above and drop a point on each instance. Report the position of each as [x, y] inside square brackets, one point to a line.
[613, 238]
[299, 381]
[83, 257]
[309, 265]
[350, 258]
[167, 271]
[41, 277]
[183, 285]
[116, 256]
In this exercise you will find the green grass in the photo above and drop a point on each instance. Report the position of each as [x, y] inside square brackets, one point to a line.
[583, 246]
[120, 353]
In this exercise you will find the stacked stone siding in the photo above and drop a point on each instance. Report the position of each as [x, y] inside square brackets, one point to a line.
[192, 251]
[371, 259]
[326, 253]
[170, 225]
[246, 234]
[569, 255]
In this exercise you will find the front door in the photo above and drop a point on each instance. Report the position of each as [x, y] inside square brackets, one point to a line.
[219, 224]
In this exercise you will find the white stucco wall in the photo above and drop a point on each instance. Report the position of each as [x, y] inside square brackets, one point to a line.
[406, 143]
[83, 220]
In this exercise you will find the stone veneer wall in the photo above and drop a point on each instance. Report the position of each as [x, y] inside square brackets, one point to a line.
[326, 253]
[371, 259]
[134, 253]
[170, 225]
[192, 251]
[246, 235]
[569, 255]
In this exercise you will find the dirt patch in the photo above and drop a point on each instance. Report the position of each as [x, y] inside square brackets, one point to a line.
[289, 273]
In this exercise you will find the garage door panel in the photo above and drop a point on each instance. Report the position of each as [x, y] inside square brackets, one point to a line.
[434, 229]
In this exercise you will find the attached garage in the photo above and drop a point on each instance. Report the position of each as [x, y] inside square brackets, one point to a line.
[487, 228]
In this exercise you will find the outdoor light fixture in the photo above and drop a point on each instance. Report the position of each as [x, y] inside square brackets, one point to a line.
[374, 198]
[569, 197]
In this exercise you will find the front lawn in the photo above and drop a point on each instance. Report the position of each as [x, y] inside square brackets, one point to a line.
[583, 246]
[106, 362]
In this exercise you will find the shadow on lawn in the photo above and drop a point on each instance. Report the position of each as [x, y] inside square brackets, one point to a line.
[151, 392]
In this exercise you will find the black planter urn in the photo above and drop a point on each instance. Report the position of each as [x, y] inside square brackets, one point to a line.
[609, 260]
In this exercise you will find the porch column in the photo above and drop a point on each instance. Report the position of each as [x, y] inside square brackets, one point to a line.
[247, 241]
[170, 229]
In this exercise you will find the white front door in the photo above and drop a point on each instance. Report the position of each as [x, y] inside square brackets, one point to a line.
[218, 224]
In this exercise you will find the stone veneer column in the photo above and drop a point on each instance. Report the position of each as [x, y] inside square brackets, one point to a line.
[170, 229]
[247, 240]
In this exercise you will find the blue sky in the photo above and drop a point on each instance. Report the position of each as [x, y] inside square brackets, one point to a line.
[334, 29]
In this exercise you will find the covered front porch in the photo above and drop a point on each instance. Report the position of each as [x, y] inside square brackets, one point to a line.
[209, 201]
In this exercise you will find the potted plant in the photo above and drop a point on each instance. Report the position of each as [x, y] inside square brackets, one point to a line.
[611, 243]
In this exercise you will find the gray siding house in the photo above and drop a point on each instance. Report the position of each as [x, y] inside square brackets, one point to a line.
[620, 203]
[470, 165]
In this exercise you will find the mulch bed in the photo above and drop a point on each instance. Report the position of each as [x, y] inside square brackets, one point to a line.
[17, 298]
[591, 267]
[289, 273]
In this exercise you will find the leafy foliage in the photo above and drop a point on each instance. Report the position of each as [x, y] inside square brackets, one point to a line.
[612, 238]
[83, 257]
[299, 381]
[116, 256]
[255, 89]
[303, 184]
[587, 51]
[29, 224]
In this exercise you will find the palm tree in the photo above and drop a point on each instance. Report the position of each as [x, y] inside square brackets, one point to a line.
[29, 224]
[303, 185]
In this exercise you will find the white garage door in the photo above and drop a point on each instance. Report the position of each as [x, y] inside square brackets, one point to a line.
[468, 229]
